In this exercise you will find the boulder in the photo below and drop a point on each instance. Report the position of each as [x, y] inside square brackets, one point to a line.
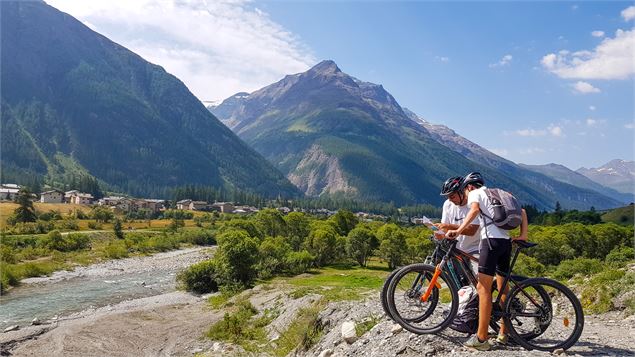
[348, 332]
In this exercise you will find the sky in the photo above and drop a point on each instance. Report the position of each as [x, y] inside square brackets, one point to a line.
[535, 82]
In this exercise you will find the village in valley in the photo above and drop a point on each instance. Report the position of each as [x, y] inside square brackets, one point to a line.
[124, 204]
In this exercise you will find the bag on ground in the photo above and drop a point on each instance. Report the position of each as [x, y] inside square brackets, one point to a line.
[466, 319]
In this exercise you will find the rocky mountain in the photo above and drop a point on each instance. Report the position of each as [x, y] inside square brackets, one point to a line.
[616, 174]
[331, 133]
[454, 141]
[564, 174]
[74, 102]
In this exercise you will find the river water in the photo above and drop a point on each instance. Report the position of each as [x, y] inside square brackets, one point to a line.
[59, 298]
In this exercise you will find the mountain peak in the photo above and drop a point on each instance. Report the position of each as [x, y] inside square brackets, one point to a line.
[325, 67]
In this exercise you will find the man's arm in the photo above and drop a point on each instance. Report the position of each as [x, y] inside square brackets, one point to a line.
[523, 226]
[471, 215]
[469, 231]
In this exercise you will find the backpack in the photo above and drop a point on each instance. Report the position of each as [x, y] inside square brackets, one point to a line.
[507, 210]
[466, 319]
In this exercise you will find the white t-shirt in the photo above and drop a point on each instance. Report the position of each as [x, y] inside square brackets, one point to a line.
[487, 231]
[454, 214]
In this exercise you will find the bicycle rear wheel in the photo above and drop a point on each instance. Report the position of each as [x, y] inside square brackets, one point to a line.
[518, 306]
[404, 300]
[557, 318]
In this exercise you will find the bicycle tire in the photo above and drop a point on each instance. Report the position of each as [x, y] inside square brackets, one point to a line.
[526, 335]
[384, 292]
[562, 306]
[408, 300]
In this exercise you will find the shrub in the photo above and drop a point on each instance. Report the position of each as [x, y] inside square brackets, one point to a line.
[569, 268]
[68, 224]
[55, 240]
[115, 250]
[619, 256]
[198, 237]
[8, 277]
[94, 225]
[117, 228]
[39, 227]
[298, 262]
[162, 243]
[235, 327]
[199, 278]
[177, 214]
[529, 266]
[7, 254]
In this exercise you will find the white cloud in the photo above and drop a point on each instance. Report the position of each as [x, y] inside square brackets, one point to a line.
[628, 13]
[216, 48]
[506, 60]
[555, 130]
[591, 122]
[592, 107]
[531, 151]
[531, 132]
[552, 129]
[611, 59]
[441, 59]
[584, 88]
[629, 126]
[597, 33]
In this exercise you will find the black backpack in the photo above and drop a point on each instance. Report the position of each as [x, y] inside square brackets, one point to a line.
[466, 319]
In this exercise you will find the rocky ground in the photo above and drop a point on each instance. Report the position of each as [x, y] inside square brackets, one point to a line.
[174, 324]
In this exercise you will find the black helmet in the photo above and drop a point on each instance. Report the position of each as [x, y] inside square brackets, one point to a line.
[473, 178]
[453, 184]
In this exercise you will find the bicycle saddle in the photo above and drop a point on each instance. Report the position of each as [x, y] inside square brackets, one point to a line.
[525, 244]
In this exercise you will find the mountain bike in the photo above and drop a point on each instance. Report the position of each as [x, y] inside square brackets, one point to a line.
[459, 270]
[539, 313]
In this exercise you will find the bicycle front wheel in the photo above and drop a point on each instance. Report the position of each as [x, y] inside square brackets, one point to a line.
[556, 318]
[407, 308]
[383, 296]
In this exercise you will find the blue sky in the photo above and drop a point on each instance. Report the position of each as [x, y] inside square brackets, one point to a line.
[535, 82]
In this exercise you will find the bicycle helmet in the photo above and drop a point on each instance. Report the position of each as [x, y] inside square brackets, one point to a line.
[453, 184]
[473, 178]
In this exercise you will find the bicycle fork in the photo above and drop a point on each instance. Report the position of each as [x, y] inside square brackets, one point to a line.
[433, 281]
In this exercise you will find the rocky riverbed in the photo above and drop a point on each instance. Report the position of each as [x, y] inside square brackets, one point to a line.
[174, 324]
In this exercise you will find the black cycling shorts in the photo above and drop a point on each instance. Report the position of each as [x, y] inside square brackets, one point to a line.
[496, 254]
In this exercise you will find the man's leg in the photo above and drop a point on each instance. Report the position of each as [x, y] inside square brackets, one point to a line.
[484, 289]
[499, 281]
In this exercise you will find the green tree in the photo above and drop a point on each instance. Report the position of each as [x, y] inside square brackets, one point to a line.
[297, 229]
[102, 214]
[322, 243]
[117, 228]
[272, 253]
[392, 246]
[271, 222]
[344, 221]
[360, 244]
[236, 257]
[25, 212]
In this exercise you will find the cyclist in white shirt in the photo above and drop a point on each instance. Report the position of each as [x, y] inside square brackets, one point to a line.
[455, 209]
[495, 252]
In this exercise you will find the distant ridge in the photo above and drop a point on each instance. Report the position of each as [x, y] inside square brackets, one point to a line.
[333, 134]
[74, 102]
